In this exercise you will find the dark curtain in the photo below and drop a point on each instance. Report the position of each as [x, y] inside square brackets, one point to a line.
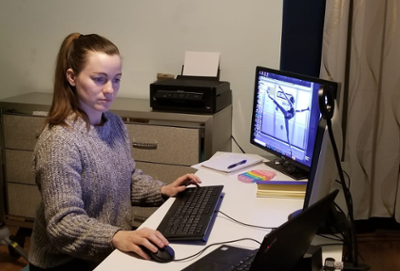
[302, 31]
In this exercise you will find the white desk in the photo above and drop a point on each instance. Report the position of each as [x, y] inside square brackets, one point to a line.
[241, 203]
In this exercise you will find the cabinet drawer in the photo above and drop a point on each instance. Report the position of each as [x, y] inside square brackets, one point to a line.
[162, 144]
[165, 173]
[21, 132]
[22, 200]
[19, 167]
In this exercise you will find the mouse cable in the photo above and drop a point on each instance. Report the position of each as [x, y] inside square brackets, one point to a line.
[249, 225]
[216, 244]
[237, 144]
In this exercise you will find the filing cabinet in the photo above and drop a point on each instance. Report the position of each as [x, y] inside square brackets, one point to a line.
[163, 144]
[20, 136]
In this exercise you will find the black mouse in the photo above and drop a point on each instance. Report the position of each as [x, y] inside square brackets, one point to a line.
[163, 255]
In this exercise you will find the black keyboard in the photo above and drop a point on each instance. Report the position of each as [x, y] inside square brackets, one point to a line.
[244, 264]
[192, 214]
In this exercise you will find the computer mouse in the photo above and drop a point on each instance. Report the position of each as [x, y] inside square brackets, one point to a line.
[163, 255]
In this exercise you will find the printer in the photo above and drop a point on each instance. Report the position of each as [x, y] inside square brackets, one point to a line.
[190, 94]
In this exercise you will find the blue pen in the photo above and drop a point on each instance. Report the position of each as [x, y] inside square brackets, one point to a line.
[237, 164]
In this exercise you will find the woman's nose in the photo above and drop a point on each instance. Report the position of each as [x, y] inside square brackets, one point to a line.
[108, 87]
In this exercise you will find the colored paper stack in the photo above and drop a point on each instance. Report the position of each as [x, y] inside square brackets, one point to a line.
[281, 189]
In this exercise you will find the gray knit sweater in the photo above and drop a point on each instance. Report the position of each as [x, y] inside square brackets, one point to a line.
[88, 184]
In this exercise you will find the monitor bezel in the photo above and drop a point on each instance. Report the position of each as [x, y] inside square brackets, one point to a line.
[331, 84]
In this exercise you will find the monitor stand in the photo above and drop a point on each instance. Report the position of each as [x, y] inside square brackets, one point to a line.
[288, 169]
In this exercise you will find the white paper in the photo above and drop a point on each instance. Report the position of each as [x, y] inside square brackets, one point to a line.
[201, 63]
[222, 162]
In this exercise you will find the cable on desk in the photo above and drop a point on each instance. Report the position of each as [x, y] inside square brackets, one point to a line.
[331, 238]
[216, 244]
[340, 209]
[327, 245]
[348, 178]
[336, 239]
[237, 144]
[249, 225]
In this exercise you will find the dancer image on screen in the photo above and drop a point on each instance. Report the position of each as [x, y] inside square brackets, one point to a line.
[288, 114]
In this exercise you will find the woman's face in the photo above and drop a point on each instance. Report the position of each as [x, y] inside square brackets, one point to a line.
[97, 84]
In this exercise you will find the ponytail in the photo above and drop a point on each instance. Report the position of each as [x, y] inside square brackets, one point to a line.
[73, 55]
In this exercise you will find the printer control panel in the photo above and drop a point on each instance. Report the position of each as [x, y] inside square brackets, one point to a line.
[178, 95]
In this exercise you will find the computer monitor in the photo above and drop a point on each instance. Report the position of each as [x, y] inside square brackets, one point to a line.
[286, 117]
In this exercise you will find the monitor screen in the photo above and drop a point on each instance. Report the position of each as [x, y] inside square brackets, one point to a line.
[285, 118]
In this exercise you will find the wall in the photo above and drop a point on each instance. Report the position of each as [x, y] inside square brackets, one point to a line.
[152, 37]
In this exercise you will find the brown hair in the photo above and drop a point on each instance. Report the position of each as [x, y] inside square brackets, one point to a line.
[73, 55]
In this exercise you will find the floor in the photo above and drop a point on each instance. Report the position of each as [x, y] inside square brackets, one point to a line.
[9, 263]
[378, 245]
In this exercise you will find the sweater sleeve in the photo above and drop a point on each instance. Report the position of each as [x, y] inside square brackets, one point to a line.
[58, 169]
[145, 190]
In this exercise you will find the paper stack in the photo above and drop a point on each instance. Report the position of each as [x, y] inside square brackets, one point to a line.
[229, 162]
[281, 189]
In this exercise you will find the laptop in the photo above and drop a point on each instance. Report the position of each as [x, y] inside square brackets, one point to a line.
[281, 249]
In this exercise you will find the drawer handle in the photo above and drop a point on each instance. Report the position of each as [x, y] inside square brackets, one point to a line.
[141, 145]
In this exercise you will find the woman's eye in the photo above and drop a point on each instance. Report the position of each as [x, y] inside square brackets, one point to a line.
[117, 80]
[99, 79]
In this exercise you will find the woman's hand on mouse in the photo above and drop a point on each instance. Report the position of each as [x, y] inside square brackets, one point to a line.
[129, 241]
[180, 184]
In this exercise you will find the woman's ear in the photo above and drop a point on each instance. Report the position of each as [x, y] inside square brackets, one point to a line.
[71, 77]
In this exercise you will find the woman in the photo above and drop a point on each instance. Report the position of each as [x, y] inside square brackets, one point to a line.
[83, 167]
